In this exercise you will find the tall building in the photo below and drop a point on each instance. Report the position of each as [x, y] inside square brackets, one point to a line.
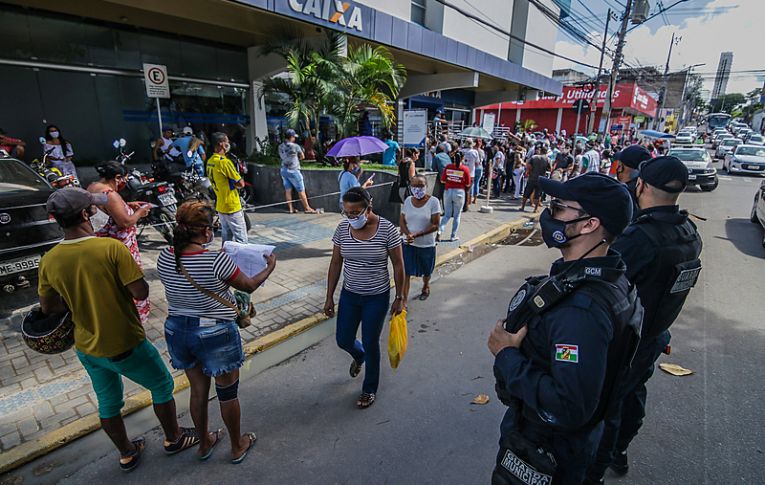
[723, 72]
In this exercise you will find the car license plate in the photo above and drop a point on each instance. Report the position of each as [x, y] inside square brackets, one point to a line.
[691, 177]
[19, 265]
[752, 167]
[167, 199]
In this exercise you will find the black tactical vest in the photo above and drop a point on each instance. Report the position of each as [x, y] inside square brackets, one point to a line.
[666, 281]
[610, 289]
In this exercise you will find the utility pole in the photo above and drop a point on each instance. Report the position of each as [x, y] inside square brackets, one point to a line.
[664, 84]
[594, 106]
[617, 62]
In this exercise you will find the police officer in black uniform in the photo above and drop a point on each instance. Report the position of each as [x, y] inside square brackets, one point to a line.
[628, 170]
[567, 339]
[661, 249]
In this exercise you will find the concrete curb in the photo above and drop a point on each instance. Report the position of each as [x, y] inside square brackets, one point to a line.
[30, 450]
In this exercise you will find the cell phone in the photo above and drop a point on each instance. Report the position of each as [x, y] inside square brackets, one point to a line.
[371, 177]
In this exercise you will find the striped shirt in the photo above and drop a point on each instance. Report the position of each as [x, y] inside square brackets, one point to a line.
[365, 263]
[212, 270]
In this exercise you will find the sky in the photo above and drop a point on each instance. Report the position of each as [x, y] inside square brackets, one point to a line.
[706, 28]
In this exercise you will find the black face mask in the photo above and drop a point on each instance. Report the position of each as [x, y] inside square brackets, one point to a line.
[554, 231]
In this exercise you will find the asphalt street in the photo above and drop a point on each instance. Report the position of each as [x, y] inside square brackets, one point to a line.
[704, 428]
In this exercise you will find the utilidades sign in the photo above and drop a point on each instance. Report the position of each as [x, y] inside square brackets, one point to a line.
[344, 14]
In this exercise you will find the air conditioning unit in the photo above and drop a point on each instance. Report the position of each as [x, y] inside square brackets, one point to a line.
[640, 9]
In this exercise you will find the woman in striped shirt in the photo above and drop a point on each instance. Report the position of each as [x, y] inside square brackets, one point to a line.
[201, 332]
[363, 243]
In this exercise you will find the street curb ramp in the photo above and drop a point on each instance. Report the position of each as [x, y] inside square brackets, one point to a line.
[26, 452]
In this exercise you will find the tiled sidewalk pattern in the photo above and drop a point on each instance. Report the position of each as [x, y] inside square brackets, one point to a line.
[40, 393]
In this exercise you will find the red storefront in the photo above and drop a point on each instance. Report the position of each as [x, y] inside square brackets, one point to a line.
[557, 113]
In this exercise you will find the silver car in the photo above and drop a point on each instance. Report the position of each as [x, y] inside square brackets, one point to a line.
[748, 159]
[727, 145]
[758, 208]
[699, 165]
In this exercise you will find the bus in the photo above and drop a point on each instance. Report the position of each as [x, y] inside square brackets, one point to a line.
[717, 120]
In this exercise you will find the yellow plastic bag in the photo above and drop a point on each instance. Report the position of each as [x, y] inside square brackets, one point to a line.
[398, 338]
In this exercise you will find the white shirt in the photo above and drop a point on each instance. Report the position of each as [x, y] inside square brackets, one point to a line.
[499, 160]
[472, 159]
[594, 161]
[418, 219]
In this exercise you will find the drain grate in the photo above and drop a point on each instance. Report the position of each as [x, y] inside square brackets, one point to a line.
[525, 236]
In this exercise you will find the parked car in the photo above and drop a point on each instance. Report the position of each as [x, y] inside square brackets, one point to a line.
[746, 159]
[27, 229]
[700, 169]
[758, 208]
[727, 145]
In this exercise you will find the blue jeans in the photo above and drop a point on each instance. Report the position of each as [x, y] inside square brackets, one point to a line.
[217, 347]
[369, 311]
[233, 227]
[626, 417]
[454, 199]
[477, 181]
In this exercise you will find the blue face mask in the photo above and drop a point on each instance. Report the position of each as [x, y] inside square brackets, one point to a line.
[355, 170]
[358, 222]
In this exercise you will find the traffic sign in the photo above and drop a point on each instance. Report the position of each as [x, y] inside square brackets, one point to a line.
[581, 105]
[155, 78]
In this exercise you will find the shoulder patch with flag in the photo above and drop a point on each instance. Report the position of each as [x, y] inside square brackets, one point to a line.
[567, 353]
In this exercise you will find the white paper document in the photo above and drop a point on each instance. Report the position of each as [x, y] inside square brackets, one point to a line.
[251, 258]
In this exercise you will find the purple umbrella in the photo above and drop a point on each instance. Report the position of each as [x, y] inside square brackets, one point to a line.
[357, 146]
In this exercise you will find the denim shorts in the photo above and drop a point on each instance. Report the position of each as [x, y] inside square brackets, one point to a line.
[292, 179]
[217, 347]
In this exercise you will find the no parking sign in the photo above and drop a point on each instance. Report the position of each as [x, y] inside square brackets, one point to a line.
[155, 77]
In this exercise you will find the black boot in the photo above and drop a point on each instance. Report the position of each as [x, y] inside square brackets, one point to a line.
[620, 463]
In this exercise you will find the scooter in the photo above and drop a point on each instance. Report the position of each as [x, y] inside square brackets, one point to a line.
[141, 188]
[51, 174]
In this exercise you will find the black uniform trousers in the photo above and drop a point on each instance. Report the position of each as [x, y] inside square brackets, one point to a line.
[624, 420]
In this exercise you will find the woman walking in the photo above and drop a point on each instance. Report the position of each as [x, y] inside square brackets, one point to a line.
[201, 331]
[350, 176]
[519, 171]
[59, 151]
[123, 216]
[478, 169]
[363, 244]
[456, 180]
[419, 222]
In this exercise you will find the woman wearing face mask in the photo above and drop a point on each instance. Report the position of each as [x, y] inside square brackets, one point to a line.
[201, 332]
[60, 149]
[420, 218]
[363, 244]
[456, 179]
[350, 175]
[122, 216]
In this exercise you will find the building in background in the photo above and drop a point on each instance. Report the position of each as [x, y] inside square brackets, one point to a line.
[723, 73]
[79, 64]
[571, 76]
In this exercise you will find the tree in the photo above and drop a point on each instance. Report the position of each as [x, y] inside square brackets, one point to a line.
[727, 103]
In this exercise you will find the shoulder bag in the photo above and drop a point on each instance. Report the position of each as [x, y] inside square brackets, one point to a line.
[243, 307]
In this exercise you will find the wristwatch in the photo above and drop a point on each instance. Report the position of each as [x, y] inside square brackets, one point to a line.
[398, 297]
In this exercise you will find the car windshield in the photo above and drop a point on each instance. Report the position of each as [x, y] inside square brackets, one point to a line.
[751, 151]
[756, 138]
[15, 176]
[689, 155]
[731, 142]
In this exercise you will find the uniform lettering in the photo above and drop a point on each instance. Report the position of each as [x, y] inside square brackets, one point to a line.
[523, 471]
[685, 280]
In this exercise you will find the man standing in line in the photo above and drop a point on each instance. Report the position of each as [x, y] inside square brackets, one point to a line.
[393, 152]
[563, 162]
[226, 182]
[440, 161]
[539, 165]
[568, 338]
[96, 279]
[661, 249]
[290, 154]
[628, 169]
[591, 158]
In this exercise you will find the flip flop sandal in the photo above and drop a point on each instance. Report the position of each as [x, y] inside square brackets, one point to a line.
[135, 456]
[239, 460]
[188, 439]
[355, 368]
[218, 438]
[424, 295]
[365, 400]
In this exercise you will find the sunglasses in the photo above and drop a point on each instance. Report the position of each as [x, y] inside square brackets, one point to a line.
[556, 207]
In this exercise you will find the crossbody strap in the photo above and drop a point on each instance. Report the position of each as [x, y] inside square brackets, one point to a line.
[207, 292]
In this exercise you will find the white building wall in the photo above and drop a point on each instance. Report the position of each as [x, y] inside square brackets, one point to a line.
[540, 31]
[472, 33]
[397, 8]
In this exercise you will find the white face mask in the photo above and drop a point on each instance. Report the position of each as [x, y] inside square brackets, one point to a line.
[358, 222]
[418, 192]
[209, 240]
[54, 134]
[227, 147]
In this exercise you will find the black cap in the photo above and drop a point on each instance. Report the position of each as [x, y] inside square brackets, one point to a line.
[633, 156]
[665, 173]
[599, 195]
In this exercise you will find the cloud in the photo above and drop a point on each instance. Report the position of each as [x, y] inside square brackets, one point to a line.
[704, 37]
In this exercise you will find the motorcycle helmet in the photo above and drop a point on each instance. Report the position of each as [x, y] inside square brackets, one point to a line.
[48, 334]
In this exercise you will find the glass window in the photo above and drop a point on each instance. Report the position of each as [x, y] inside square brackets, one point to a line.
[418, 12]
[17, 177]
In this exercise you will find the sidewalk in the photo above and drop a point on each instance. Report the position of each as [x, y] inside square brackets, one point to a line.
[40, 393]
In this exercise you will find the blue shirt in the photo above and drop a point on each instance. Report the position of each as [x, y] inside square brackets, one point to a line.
[196, 159]
[440, 161]
[389, 155]
[347, 181]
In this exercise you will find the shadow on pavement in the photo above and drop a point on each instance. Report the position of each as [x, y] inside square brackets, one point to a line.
[745, 236]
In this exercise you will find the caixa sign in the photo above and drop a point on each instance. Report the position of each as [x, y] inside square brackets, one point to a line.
[338, 12]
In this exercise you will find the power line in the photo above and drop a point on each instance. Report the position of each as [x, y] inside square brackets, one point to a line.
[655, 14]
[512, 36]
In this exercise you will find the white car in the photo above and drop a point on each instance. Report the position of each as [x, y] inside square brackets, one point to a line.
[755, 139]
[719, 138]
[699, 165]
[758, 208]
[726, 146]
[685, 138]
[748, 159]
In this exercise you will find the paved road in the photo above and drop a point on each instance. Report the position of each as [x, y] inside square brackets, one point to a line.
[705, 428]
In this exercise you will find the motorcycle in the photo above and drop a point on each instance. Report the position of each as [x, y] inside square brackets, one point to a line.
[142, 188]
[247, 192]
[51, 174]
